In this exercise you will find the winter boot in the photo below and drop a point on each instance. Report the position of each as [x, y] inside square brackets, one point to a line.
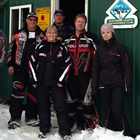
[13, 124]
[32, 122]
[42, 135]
[66, 137]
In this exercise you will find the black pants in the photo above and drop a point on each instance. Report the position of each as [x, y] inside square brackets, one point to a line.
[80, 97]
[58, 96]
[20, 81]
[113, 98]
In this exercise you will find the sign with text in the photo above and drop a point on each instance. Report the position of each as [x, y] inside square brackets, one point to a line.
[121, 15]
[43, 17]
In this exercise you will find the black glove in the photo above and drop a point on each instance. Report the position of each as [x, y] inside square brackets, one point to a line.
[94, 92]
[128, 89]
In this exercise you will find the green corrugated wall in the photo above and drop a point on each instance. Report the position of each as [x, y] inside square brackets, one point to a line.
[5, 78]
[97, 13]
[131, 39]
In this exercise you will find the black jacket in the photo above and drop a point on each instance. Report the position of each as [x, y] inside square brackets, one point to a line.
[111, 66]
[60, 62]
[82, 52]
[21, 47]
[64, 31]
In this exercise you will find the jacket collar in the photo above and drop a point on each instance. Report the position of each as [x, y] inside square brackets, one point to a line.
[110, 42]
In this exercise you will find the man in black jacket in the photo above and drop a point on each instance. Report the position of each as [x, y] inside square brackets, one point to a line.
[64, 30]
[22, 46]
[81, 46]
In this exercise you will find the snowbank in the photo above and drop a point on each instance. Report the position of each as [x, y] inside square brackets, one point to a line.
[30, 133]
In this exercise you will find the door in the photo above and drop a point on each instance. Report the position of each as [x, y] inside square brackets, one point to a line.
[71, 8]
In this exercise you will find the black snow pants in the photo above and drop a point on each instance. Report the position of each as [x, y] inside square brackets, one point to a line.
[81, 107]
[20, 82]
[58, 96]
[113, 98]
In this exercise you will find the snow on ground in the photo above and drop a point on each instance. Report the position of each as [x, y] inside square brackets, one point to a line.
[30, 133]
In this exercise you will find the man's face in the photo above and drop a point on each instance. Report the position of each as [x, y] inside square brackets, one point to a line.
[80, 24]
[59, 18]
[31, 23]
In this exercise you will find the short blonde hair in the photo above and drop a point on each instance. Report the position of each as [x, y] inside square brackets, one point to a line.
[51, 27]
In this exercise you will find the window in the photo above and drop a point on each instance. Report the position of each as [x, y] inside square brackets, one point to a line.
[18, 18]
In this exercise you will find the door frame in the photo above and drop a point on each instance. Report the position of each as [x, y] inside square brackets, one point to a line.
[55, 5]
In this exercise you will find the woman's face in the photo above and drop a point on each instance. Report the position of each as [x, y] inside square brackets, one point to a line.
[106, 35]
[51, 35]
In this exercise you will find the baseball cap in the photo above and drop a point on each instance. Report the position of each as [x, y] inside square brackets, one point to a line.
[32, 14]
[59, 11]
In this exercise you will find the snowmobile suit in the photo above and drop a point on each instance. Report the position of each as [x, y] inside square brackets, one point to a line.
[79, 91]
[19, 54]
[48, 66]
[112, 79]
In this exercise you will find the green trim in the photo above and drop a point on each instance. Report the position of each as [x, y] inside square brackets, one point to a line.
[3, 3]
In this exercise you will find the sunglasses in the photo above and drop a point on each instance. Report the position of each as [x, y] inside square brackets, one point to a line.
[32, 19]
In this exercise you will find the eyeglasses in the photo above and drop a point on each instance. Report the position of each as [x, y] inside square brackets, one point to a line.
[32, 19]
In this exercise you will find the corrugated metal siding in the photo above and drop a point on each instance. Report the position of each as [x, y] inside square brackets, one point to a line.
[35, 3]
[130, 38]
[5, 78]
[97, 9]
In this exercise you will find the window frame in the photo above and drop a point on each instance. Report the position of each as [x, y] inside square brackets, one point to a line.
[19, 7]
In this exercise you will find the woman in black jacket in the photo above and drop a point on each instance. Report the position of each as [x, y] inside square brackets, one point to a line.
[49, 67]
[112, 78]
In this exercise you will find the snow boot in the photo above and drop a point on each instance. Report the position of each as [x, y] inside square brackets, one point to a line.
[42, 135]
[13, 124]
[32, 122]
[66, 137]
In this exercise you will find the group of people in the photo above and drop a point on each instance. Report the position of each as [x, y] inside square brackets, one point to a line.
[70, 67]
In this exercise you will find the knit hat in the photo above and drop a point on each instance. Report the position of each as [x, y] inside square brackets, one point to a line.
[107, 27]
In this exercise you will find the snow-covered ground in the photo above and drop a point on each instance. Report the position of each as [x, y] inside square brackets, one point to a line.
[30, 133]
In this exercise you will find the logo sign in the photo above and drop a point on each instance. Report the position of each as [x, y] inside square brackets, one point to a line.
[43, 17]
[121, 15]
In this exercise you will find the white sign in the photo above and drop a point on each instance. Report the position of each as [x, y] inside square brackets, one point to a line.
[121, 15]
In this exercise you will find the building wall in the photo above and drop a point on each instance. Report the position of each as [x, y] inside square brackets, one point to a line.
[130, 38]
[6, 79]
[97, 9]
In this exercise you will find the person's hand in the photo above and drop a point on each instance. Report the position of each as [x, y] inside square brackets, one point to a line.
[128, 89]
[59, 38]
[35, 85]
[59, 85]
[11, 70]
[94, 92]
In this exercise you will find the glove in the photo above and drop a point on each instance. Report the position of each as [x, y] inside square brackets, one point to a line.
[128, 89]
[94, 92]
